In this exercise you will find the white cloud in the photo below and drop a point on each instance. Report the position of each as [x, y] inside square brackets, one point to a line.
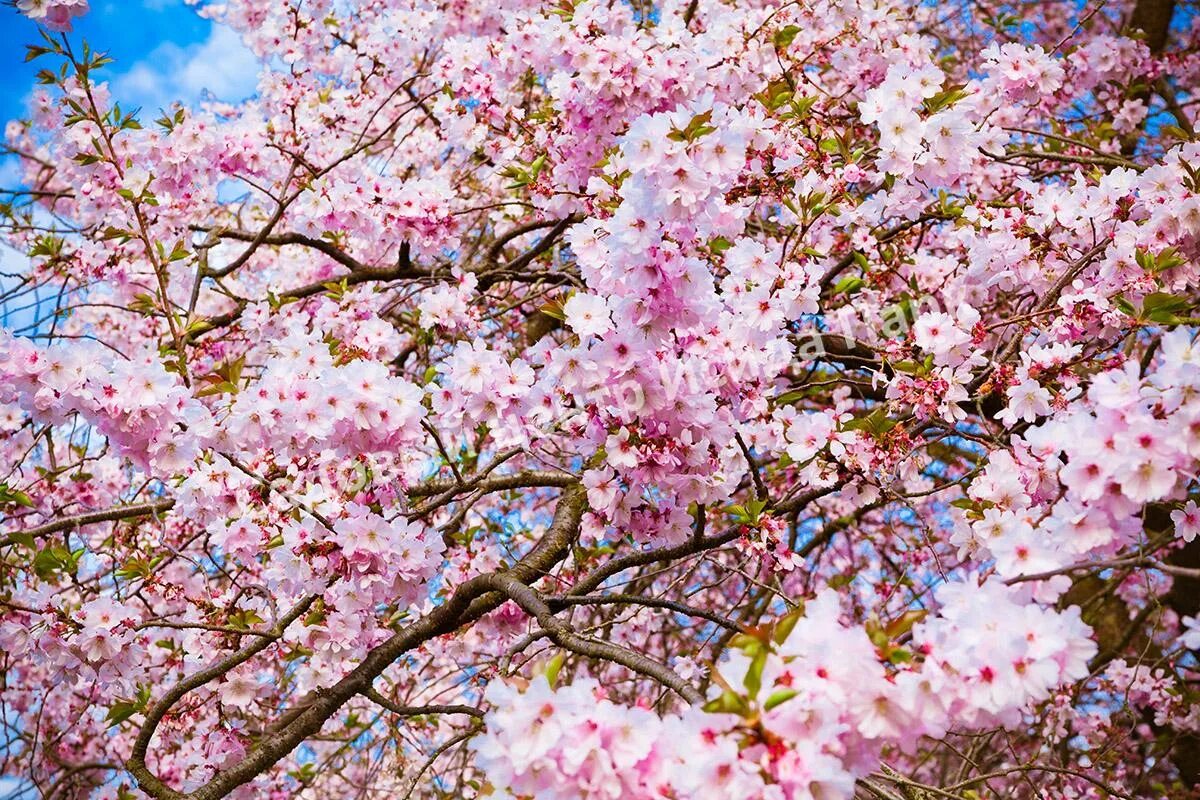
[221, 66]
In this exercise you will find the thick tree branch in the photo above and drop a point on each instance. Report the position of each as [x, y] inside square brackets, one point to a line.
[114, 514]
[469, 602]
[136, 764]
[564, 636]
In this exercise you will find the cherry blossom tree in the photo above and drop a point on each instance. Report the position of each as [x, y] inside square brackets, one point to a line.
[597, 399]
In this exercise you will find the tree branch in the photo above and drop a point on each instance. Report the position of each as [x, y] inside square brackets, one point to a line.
[113, 514]
[561, 601]
[470, 601]
[564, 636]
[378, 699]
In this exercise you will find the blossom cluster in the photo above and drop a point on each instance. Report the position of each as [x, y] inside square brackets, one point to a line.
[824, 702]
[1071, 487]
[138, 405]
[54, 14]
[813, 386]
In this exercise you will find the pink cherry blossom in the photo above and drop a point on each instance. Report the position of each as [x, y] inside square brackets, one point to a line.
[593, 400]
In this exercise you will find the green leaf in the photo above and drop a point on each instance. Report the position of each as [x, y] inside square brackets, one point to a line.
[337, 289]
[8, 496]
[55, 559]
[801, 106]
[849, 285]
[753, 679]
[775, 94]
[877, 634]
[794, 396]
[720, 244]
[121, 711]
[840, 581]
[786, 624]
[178, 252]
[124, 709]
[945, 99]
[554, 309]
[785, 36]
[877, 423]
[535, 168]
[1163, 308]
[23, 539]
[748, 642]
[749, 513]
[245, 619]
[135, 568]
[1124, 306]
[779, 698]
[728, 703]
[904, 623]
[695, 129]
[553, 668]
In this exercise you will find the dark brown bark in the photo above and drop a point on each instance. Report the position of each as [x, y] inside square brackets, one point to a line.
[1153, 19]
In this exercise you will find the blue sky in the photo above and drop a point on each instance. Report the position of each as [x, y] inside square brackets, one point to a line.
[163, 50]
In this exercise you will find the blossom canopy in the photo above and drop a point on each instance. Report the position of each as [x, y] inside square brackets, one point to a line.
[598, 400]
